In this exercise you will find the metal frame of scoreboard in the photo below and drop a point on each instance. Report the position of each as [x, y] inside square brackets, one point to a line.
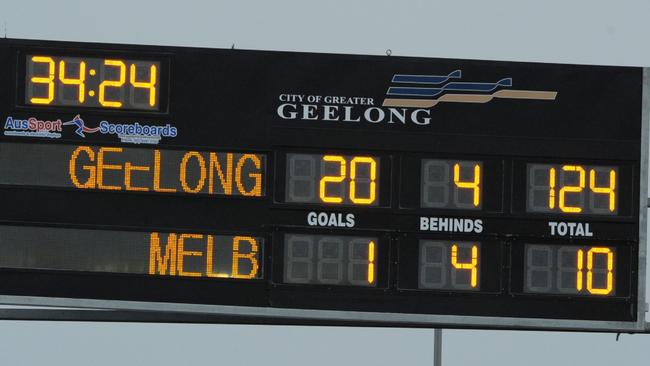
[305, 315]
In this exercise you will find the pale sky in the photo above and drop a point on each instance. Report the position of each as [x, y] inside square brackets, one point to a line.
[577, 31]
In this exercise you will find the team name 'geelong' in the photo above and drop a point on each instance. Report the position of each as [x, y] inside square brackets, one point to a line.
[335, 113]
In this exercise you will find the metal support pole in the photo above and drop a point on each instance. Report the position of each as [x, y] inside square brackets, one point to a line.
[437, 347]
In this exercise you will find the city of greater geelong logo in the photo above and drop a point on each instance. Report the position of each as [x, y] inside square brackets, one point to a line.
[135, 133]
[440, 89]
[409, 99]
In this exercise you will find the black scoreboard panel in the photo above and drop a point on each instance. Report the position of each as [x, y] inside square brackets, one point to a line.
[400, 187]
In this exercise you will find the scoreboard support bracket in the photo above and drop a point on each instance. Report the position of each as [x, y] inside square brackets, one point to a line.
[131, 316]
[643, 307]
[135, 311]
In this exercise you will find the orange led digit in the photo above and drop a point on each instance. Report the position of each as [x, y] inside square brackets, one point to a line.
[472, 266]
[371, 262]
[80, 81]
[474, 185]
[572, 189]
[332, 179]
[49, 80]
[609, 190]
[610, 266]
[551, 188]
[112, 83]
[353, 175]
[332, 260]
[579, 266]
[150, 85]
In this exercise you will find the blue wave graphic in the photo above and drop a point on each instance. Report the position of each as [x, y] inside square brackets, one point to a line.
[426, 79]
[452, 86]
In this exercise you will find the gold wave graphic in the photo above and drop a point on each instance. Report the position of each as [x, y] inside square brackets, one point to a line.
[470, 98]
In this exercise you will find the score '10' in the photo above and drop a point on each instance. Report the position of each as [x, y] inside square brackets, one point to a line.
[578, 270]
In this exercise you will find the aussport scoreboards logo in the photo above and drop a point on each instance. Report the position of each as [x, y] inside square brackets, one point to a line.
[135, 132]
[33, 127]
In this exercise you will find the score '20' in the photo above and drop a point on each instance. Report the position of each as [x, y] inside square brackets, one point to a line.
[332, 179]
[352, 185]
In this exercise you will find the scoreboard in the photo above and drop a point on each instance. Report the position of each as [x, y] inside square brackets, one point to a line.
[322, 188]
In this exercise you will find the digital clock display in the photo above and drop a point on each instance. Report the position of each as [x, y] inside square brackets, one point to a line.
[110, 83]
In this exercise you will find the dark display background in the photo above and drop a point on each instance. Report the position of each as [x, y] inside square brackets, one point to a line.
[126, 252]
[49, 166]
[594, 120]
